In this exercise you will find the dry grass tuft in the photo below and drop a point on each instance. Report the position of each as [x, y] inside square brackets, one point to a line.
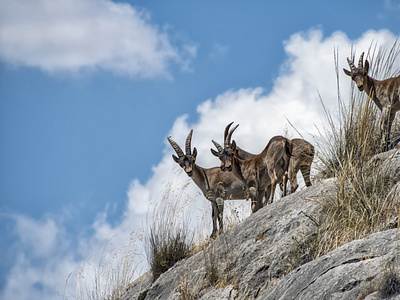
[108, 273]
[185, 291]
[169, 238]
[302, 253]
[390, 284]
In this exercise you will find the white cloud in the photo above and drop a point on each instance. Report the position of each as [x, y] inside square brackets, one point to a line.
[42, 237]
[43, 260]
[309, 69]
[49, 263]
[81, 35]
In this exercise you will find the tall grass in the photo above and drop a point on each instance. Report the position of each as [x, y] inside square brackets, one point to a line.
[107, 274]
[169, 238]
[364, 200]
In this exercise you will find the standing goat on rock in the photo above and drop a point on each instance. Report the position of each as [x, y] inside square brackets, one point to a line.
[301, 160]
[216, 185]
[240, 153]
[385, 94]
[260, 173]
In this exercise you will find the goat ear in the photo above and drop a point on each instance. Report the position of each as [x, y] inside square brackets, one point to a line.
[233, 145]
[366, 67]
[194, 152]
[176, 159]
[215, 153]
[347, 72]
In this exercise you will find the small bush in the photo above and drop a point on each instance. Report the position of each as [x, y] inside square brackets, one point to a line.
[167, 248]
[169, 239]
[390, 286]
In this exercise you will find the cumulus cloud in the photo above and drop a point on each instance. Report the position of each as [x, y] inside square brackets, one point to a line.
[80, 35]
[42, 262]
[309, 70]
[42, 237]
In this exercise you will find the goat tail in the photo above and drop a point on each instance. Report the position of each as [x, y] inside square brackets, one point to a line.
[312, 151]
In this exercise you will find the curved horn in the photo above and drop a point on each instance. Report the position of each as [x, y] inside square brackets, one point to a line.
[228, 138]
[360, 61]
[227, 130]
[174, 145]
[188, 142]
[218, 146]
[352, 67]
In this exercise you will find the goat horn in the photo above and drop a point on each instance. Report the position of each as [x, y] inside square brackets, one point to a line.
[227, 130]
[360, 62]
[228, 138]
[218, 146]
[351, 64]
[174, 145]
[188, 142]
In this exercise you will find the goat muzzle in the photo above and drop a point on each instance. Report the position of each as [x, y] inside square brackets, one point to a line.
[224, 168]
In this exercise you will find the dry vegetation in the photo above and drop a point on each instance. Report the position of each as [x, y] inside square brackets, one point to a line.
[364, 201]
[172, 237]
[107, 274]
[169, 238]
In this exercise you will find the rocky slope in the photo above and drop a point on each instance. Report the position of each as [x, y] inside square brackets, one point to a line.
[258, 258]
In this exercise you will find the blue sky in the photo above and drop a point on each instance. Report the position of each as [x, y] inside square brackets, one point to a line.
[90, 89]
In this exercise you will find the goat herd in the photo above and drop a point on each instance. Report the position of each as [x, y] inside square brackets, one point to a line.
[243, 175]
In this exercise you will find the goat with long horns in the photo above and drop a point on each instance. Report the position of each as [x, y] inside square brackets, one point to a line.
[384, 93]
[215, 185]
[260, 173]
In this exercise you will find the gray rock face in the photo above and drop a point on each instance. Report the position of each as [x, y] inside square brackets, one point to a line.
[352, 270]
[254, 260]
